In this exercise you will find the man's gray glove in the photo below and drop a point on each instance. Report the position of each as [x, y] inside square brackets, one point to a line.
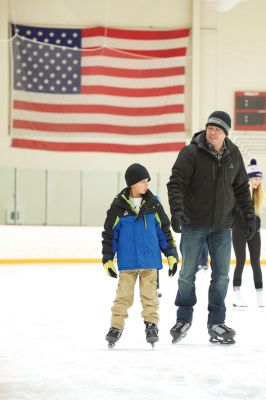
[250, 228]
[178, 219]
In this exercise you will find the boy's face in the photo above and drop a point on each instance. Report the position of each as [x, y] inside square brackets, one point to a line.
[140, 188]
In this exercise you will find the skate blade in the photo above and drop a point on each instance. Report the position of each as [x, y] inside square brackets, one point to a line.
[152, 340]
[221, 341]
[177, 339]
[240, 308]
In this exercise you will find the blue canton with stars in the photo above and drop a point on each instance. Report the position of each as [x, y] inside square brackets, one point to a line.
[47, 60]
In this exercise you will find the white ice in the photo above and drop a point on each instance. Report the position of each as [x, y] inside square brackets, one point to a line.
[53, 320]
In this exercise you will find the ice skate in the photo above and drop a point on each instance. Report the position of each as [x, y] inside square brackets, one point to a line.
[179, 331]
[203, 267]
[260, 301]
[113, 336]
[220, 333]
[238, 300]
[151, 333]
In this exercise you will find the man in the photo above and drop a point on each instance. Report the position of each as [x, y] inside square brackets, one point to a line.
[207, 179]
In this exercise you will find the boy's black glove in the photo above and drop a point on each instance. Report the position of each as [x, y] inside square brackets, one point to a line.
[110, 268]
[250, 228]
[176, 221]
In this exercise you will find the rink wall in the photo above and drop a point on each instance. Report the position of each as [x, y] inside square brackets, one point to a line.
[30, 244]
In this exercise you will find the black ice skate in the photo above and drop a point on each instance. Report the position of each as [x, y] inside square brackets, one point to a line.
[220, 333]
[113, 336]
[151, 333]
[179, 330]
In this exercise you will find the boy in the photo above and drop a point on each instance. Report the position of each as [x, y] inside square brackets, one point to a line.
[137, 229]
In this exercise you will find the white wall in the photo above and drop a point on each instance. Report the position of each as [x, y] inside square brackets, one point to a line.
[62, 244]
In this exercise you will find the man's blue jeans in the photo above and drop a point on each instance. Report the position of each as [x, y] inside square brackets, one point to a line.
[219, 245]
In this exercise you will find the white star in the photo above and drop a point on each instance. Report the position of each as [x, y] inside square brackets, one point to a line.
[52, 88]
[28, 32]
[19, 84]
[40, 33]
[51, 34]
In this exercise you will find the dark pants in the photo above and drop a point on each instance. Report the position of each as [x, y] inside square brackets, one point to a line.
[254, 246]
[219, 245]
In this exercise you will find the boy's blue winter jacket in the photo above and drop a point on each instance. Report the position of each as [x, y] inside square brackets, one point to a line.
[137, 239]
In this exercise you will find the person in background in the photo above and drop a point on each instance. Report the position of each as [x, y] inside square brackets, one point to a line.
[255, 175]
[138, 230]
[207, 179]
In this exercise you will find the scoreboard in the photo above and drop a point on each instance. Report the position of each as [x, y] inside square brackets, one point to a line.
[250, 111]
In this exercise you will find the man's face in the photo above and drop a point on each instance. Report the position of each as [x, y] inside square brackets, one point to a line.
[215, 136]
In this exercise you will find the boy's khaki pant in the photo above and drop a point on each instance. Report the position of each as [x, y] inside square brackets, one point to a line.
[125, 296]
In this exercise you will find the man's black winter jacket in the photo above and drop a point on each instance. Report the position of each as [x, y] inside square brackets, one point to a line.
[206, 189]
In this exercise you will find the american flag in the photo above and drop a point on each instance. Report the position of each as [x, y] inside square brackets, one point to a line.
[98, 89]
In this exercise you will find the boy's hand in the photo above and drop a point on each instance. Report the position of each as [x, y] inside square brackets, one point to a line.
[110, 268]
[172, 262]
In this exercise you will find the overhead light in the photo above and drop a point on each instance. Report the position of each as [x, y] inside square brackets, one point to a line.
[223, 5]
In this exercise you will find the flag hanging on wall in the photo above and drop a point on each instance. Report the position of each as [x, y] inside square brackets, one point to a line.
[98, 89]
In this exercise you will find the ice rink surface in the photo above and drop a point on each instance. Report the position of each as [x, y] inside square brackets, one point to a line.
[53, 320]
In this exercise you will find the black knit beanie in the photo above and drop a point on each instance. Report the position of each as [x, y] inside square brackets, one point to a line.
[220, 119]
[136, 173]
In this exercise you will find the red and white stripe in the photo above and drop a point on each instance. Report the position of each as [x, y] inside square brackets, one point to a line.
[131, 100]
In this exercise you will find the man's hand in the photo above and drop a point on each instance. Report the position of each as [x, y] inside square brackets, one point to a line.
[250, 228]
[176, 221]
